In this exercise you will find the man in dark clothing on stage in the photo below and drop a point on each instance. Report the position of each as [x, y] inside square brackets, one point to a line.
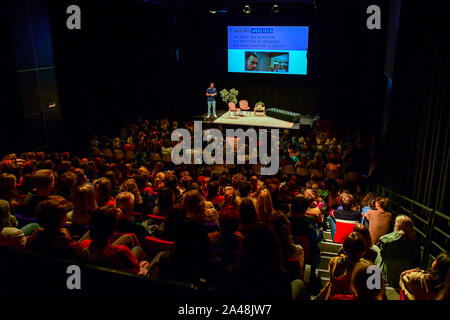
[211, 93]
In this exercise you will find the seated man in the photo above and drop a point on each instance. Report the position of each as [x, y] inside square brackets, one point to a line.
[51, 238]
[345, 219]
[43, 184]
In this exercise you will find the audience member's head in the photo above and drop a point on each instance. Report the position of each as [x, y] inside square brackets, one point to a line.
[354, 246]
[194, 203]
[264, 206]
[299, 206]
[103, 224]
[247, 213]
[103, 191]
[404, 225]
[44, 181]
[52, 213]
[84, 200]
[131, 186]
[166, 199]
[125, 202]
[346, 200]
[364, 231]
[381, 203]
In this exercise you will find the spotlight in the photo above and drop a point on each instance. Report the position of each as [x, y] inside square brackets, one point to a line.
[212, 11]
[275, 8]
[247, 9]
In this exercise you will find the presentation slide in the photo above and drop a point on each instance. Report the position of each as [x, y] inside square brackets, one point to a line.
[267, 49]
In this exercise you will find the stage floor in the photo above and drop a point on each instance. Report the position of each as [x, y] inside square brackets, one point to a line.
[249, 120]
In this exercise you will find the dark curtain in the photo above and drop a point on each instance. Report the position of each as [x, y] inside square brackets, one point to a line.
[416, 155]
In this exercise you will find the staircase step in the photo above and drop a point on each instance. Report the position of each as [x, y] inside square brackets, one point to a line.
[327, 235]
[329, 247]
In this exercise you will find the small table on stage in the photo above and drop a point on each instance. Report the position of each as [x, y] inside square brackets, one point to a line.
[259, 111]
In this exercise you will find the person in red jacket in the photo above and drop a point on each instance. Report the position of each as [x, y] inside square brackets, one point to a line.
[345, 219]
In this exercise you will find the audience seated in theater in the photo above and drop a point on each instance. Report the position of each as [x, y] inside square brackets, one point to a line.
[427, 284]
[341, 267]
[399, 250]
[51, 238]
[378, 220]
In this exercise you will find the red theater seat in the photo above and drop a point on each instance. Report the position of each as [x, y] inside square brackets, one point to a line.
[154, 246]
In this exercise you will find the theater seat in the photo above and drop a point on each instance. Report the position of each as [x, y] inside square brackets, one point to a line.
[156, 219]
[154, 246]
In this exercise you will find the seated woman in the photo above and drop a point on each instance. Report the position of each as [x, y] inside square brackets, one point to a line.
[399, 250]
[103, 192]
[10, 236]
[358, 284]
[293, 255]
[191, 258]
[419, 284]
[126, 222]
[315, 207]
[166, 199]
[226, 241]
[84, 204]
[259, 274]
[99, 250]
[341, 268]
[247, 215]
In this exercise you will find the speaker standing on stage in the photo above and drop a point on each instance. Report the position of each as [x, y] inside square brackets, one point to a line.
[211, 93]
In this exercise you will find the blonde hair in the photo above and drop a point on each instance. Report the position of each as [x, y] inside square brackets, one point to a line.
[264, 206]
[84, 201]
[131, 186]
[125, 202]
[405, 225]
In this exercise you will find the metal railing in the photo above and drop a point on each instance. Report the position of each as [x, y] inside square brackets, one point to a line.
[431, 225]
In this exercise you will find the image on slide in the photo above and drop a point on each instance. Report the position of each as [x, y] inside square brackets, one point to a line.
[267, 61]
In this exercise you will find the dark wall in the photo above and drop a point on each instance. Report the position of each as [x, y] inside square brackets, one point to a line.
[138, 59]
[416, 156]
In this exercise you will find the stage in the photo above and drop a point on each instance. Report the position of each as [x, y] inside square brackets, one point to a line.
[249, 120]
